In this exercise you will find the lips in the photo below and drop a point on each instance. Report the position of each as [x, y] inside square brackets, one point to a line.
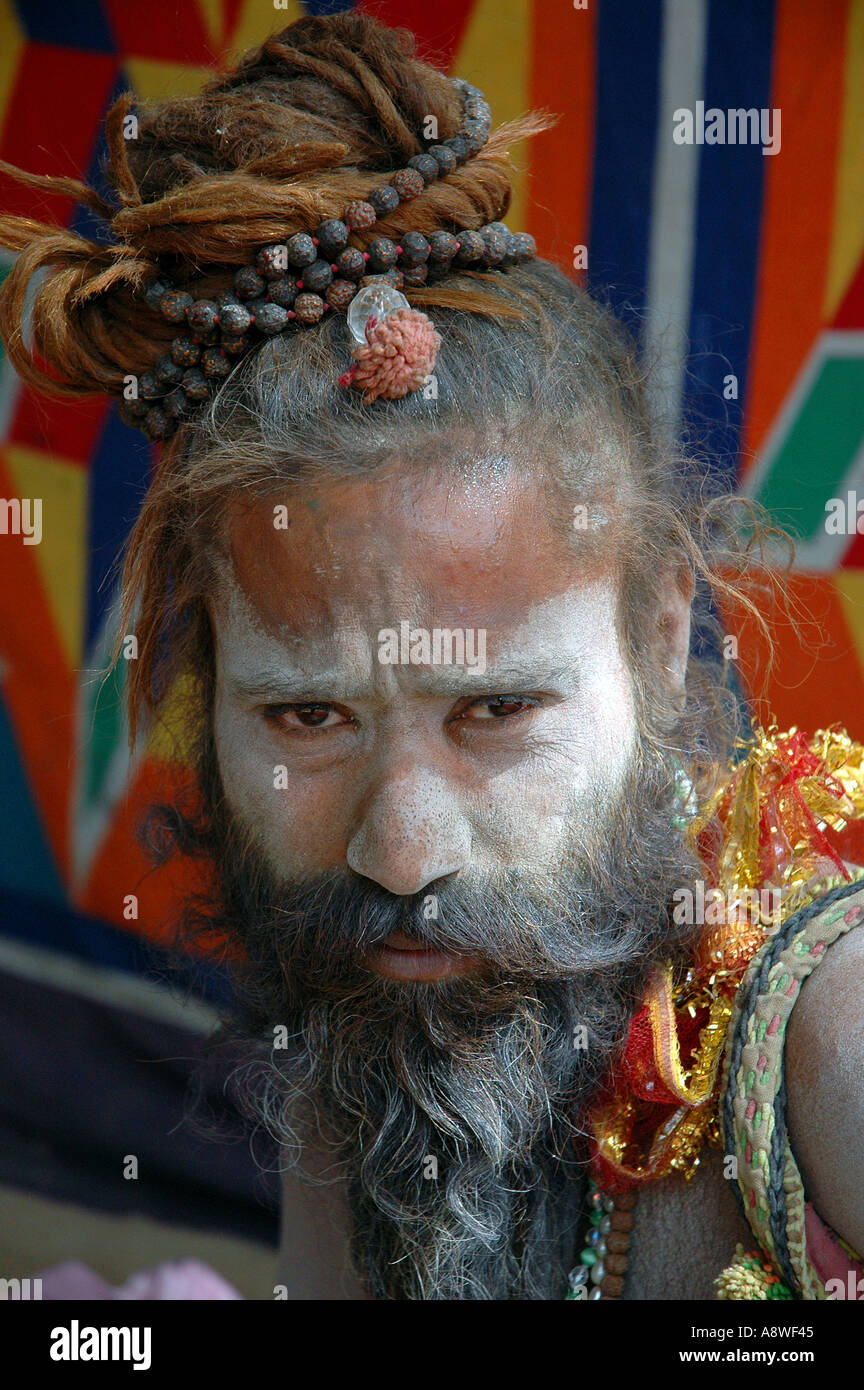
[400, 958]
[396, 941]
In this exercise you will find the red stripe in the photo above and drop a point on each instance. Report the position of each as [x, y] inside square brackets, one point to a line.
[799, 204]
[817, 676]
[70, 429]
[851, 311]
[439, 27]
[120, 868]
[53, 123]
[562, 80]
[38, 685]
[175, 33]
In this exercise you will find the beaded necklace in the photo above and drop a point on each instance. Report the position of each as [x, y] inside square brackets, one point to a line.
[602, 1266]
[294, 283]
[766, 825]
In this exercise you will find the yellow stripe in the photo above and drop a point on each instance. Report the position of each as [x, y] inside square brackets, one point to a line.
[11, 44]
[171, 739]
[495, 54]
[61, 554]
[212, 18]
[848, 239]
[155, 81]
[257, 22]
[849, 584]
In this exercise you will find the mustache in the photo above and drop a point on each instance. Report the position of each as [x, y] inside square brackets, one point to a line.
[328, 926]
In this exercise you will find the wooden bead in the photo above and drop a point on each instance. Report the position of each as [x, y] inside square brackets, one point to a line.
[475, 133]
[444, 158]
[415, 249]
[301, 251]
[394, 277]
[248, 283]
[206, 337]
[471, 248]
[176, 403]
[612, 1286]
[156, 424]
[184, 352]
[340, 293]
[167, 371]
[625, 1202]
[523, 248]
[332, 237]
[195, 384]
[359, 216]
[202, 315]
[415, 275]
[308, 307]
[174, 304]
[442, 247]
[382, 255]
[234, 317]
[615, 1264]
[621, 1220]
[317, 276]
[409, 183]
[496, 241]
[235, 347]
[459, 146]
[272, 261]
[426, 165]
[214, 362]
[282, 292]
[477, 108]
[154, 294]
[618, 1242]
[132, 412]
[149, 388]
[270, 318]
[384, 200]
[350, 264]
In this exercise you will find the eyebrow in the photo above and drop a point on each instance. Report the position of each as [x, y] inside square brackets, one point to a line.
[295, 687]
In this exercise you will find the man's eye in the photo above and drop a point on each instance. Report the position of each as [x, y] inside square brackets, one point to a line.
[498, 707]
[311, 716]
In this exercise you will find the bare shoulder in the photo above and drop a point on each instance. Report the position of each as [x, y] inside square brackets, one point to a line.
[314, 1246]
[825, 1086]
[684, 1234]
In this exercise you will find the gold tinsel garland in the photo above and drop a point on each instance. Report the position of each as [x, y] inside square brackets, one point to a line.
[765, 826]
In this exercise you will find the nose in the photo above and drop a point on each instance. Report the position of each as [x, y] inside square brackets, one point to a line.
[411, 832]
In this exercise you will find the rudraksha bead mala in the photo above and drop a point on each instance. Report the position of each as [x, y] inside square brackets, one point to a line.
[297, 281]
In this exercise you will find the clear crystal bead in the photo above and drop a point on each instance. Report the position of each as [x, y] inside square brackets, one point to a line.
[594, 1295]
[578, 1276]
[381, 299]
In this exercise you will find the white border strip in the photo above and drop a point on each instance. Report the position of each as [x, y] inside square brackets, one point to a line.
[673, 210]
[113, 988]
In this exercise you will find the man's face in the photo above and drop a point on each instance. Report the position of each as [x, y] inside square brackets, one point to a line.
[412, 773]
[348, 787]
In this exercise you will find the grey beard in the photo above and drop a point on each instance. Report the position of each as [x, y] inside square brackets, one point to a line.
[453, 1112]
[470, 1184]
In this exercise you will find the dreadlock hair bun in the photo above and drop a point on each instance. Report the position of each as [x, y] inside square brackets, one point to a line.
[309, 122]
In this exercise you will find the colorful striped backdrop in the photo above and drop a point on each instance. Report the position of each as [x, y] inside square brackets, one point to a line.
[732, 263]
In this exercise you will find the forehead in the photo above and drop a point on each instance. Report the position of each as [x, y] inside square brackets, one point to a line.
[465, 551]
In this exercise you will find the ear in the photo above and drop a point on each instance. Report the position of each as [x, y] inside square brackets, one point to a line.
[670, 638]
